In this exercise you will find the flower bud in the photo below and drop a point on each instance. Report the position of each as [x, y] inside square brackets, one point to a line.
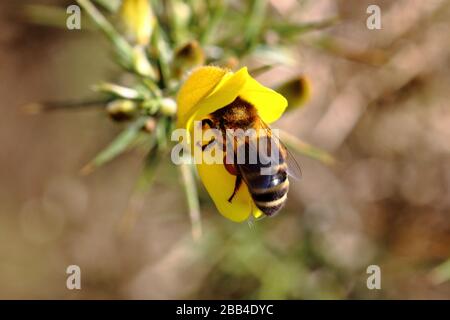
[138, 19]
[150, 125]
[183, 13]
[168, 106]
[188, 56]
[120, 110]
[141, 63]
[231, 63]
[297, 91]
[118, 91]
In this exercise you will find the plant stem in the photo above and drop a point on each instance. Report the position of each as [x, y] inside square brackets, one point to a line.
[123, 48]
[39, 107]
[190, 190]
[217, 13]
[254, 23]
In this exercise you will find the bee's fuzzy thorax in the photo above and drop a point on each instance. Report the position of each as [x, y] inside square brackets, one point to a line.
[238, 114]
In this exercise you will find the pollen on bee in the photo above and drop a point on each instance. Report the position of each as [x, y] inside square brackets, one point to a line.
[238, 114]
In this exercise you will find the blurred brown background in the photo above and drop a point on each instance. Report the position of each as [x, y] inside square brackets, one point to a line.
[380, 105]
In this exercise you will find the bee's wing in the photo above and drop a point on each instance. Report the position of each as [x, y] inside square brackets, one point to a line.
[246, 155]
[293, 167]
[252, 145]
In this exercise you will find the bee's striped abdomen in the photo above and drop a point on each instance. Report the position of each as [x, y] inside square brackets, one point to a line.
[269, 192]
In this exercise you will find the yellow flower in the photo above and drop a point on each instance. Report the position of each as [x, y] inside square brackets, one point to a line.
[206, 90]
[139, 21]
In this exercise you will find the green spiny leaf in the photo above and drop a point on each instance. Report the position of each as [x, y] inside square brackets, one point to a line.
[117, 146]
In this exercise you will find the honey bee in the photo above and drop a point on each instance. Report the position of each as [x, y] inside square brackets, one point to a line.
[269, 190]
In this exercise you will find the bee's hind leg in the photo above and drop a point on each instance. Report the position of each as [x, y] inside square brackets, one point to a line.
[237, 184]
[209, 145]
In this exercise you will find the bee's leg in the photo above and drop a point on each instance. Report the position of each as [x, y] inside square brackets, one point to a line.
[237, 184]
[211, 143]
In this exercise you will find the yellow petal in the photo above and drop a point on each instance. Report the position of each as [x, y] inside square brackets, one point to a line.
[199, 85]
[270, 104]
[224, 93]
[257, 213]
[220, 185]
